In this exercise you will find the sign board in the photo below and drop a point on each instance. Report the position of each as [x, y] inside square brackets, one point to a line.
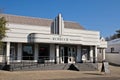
[62, 39]
[105, 67]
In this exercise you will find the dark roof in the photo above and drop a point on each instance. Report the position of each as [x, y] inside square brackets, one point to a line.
[38, 21]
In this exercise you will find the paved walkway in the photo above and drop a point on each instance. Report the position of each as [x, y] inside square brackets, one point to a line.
[61, 75]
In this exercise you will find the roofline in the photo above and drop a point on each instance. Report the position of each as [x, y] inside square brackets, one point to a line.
[35, 17]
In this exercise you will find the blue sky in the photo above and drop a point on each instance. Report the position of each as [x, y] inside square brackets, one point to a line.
[100, 15]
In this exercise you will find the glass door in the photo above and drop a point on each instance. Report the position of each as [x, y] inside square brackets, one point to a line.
[61, 54]
[71, 54]
[85, 53]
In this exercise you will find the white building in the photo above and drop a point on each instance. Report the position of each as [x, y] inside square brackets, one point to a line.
[57, 41]
[113, 51]
[113, 46]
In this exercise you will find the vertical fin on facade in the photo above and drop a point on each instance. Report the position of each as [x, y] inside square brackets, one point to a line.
[58, 25]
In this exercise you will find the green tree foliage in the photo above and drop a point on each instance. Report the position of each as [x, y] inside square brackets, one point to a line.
[118, 33]
[2, 29]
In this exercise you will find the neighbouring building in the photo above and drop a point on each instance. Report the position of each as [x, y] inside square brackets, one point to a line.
[113, 51]
[49, 40]
[113, 46]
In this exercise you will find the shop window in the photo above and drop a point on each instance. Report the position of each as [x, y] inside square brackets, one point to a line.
[3, 49]
[13, 51]
[28, 52]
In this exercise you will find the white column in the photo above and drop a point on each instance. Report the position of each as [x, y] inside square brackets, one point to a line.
[52, 52]
[19, 52]
[95, 53]
[91, 53]
[62, 30]
[8, 53]
[103, 54]
[60, 25]
[79, 59]
[36, 53]
[54, 26]
[57, 54]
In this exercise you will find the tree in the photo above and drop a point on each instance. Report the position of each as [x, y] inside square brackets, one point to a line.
[107, 39]
[118, 33]
[114, 36]
[2, 29]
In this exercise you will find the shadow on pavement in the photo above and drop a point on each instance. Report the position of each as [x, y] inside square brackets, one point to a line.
[93, 73]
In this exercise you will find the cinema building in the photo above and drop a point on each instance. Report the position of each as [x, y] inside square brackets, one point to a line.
[49, 40]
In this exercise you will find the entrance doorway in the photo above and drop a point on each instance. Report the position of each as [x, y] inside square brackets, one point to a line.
[63, 55]
[71, 54]
[85, 53]
[67, 54]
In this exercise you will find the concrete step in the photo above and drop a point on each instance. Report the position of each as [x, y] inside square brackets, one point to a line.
[86, 66]
[40, 67]
[36, 66]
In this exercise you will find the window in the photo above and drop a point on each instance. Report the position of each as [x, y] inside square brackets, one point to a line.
[13, 51]
[112, 49]
[3, 49]
[28, 52]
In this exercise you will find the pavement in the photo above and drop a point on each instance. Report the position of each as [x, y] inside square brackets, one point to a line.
[61, 75]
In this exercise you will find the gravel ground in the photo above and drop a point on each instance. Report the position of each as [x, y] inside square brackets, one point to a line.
[61, 75]
[98, 78]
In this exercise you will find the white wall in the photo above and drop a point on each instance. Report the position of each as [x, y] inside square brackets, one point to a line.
[103, 44]
[100, 58]
[87, 37]
[113, 58]
[73, 37]
[115, 46]
[20, 32]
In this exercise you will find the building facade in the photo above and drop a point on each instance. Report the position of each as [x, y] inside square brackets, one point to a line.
[113, 52]
[113, 46]
[46, 40]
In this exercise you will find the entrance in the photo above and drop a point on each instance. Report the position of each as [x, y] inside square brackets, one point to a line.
[63, 55]
[85, 53]
[67, 54]
[71, 54]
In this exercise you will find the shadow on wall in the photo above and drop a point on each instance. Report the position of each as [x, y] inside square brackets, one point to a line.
[52, 27]
[30, 38]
